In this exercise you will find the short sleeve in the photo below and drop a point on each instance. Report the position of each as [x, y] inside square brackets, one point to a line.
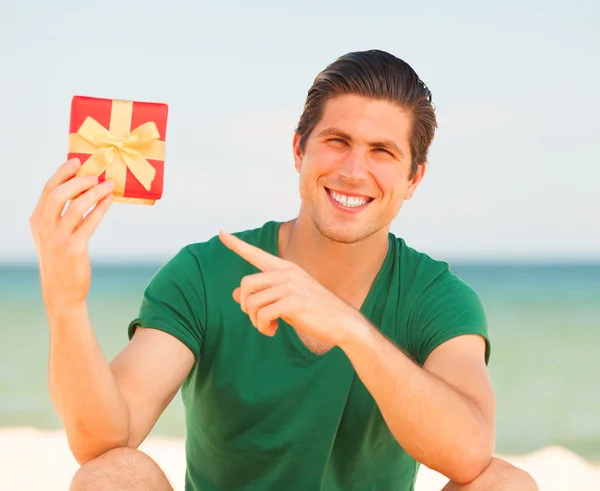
[446, 309]
[174, 301]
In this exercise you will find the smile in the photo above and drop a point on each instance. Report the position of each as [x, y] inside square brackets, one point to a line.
[348, 201]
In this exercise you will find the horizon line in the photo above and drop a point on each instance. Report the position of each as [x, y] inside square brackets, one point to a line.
[457, 260]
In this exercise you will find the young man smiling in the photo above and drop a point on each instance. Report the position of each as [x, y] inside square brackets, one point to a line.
[321, 353]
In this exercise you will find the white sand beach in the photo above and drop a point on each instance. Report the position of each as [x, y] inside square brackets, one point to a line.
[33, 459]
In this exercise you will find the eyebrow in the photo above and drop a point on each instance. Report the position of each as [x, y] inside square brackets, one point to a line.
[382, 143]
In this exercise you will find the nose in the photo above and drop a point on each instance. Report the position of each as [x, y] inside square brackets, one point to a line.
[354, 166]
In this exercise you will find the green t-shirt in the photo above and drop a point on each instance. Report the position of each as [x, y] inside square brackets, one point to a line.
[266, 412]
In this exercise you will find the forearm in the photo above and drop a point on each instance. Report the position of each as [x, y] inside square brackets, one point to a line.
[433, 422]
[82, 386]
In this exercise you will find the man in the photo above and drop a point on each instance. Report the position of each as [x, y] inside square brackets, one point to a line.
[321, 353]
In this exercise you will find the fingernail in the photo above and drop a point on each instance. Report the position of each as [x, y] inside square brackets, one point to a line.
[74, 162]
[110, 184]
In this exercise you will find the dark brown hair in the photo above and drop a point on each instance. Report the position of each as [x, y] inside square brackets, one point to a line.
[378, 75]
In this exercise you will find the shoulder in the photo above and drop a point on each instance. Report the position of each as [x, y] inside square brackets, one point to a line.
[438, 303]
[217, 266]
[213, 252]
[197, 275]
[197, 261]
[427, 277]
[416, 266]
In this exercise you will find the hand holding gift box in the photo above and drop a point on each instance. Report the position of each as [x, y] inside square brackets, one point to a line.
[122, 141]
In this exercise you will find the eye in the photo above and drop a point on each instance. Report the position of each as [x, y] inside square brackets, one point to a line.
[338, 143]
[380, 149]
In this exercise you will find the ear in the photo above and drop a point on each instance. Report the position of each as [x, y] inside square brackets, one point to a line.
[417, 178]
[297, 152]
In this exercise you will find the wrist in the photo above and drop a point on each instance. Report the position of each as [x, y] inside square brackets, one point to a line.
[358, 332]
[61, 309]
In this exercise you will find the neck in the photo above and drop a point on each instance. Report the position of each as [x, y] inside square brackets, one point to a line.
[347, 270]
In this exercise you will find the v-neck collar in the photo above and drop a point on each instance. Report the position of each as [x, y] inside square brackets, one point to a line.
[366, 306]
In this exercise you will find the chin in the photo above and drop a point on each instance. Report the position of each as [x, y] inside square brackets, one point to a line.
[344, 233]
[339, 227]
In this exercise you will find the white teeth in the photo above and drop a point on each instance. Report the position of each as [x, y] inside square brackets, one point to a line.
[348, 201]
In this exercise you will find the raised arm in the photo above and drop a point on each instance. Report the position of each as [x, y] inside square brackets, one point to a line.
[101, 405]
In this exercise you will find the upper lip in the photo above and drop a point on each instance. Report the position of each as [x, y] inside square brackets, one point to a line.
[349, 193]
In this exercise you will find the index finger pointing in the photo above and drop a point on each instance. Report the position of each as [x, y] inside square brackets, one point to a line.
[255, 256]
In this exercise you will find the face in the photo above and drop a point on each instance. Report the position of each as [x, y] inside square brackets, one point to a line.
[355, 170]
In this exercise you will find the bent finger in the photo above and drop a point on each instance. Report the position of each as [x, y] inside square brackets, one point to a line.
[269, 329]
[64, 172]
[257, 282]
[268, 315]
[253, 303]
[79, 206]
[93, 219]
[65, 192]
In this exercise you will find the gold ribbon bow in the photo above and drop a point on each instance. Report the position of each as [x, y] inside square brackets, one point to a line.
[117, 148]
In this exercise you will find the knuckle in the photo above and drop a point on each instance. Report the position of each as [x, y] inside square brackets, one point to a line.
[48, 187]
[95, 193]
[81, 204]
[250, 304]
[262, 316]
[55, 195]
[54, 243]
[33, 223]
[74, 247]
[44, 230]
[77, 207]
[246, 282]
[52, 194]
[291, 303]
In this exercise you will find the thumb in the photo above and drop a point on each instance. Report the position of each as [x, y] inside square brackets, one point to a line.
[236, 295]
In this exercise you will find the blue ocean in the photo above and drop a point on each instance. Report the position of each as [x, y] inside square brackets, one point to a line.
[544, 325]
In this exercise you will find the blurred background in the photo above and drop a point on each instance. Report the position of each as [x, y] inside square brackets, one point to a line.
[510, 199]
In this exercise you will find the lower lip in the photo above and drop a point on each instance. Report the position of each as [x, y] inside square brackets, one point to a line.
[339, 206]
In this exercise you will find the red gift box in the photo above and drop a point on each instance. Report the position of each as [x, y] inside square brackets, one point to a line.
[123, 141]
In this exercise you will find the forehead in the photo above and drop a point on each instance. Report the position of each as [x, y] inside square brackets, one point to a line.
[366, 119]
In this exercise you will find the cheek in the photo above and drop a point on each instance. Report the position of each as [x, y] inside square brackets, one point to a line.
[317, 164]
[391, 181]
[308, 177]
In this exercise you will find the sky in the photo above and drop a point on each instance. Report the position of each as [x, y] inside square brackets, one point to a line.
[514, 169]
